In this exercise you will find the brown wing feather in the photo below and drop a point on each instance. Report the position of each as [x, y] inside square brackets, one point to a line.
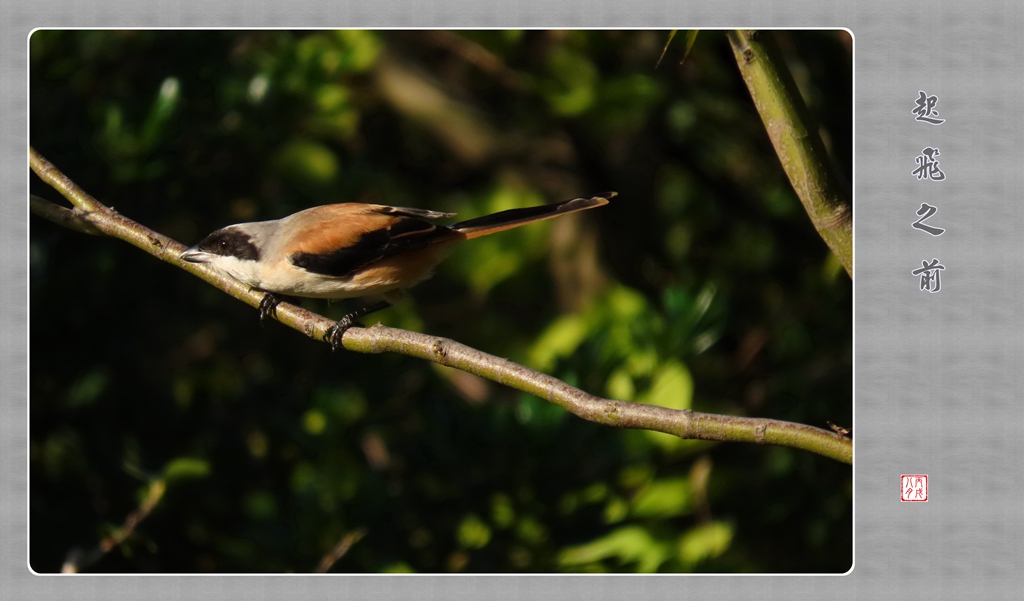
[329, 227]
[341, 239]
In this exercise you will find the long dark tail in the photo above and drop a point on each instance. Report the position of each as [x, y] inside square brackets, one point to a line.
[496, 222]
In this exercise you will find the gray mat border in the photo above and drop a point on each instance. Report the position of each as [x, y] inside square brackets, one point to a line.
[914, 378]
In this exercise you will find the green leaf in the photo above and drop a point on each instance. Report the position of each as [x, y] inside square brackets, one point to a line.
[261, 505]
[88, 388]
[473, 532]
[159, 115]
[671, 35]
[360, 49]
[627, 545]
[314, 422]
[503, 512]
[570, 88]
[672, 387]
[186, 468]
[664, 498]
[620, 386]
[691, 37]
[705, 542]
[560, 339]
[307, 160]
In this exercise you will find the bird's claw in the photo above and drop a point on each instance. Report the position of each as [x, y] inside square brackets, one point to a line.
[268, 307]
[335, 332]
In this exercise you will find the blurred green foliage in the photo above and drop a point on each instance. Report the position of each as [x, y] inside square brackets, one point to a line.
[702, 285]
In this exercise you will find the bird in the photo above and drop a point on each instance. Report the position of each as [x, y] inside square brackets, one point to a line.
[351, 250]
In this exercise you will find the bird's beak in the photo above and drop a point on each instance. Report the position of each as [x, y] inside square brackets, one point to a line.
[195, 256]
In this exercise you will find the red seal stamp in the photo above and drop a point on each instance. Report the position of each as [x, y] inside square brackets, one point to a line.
[914, 488]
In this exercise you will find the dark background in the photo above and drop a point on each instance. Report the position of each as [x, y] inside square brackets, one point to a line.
[702, 285]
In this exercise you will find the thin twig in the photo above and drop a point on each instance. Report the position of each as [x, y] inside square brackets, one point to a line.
[339, 550]
[74, 219]
[476, 55]
[78, 559]
[378, 339]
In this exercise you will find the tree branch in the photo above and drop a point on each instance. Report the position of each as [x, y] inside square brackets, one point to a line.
[78, 559]
[795, 137]
[379, 339]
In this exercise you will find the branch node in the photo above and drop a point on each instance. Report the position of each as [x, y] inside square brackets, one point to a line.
[439, 348]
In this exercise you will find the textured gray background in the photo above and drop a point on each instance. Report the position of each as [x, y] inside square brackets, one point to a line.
[937, 375]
